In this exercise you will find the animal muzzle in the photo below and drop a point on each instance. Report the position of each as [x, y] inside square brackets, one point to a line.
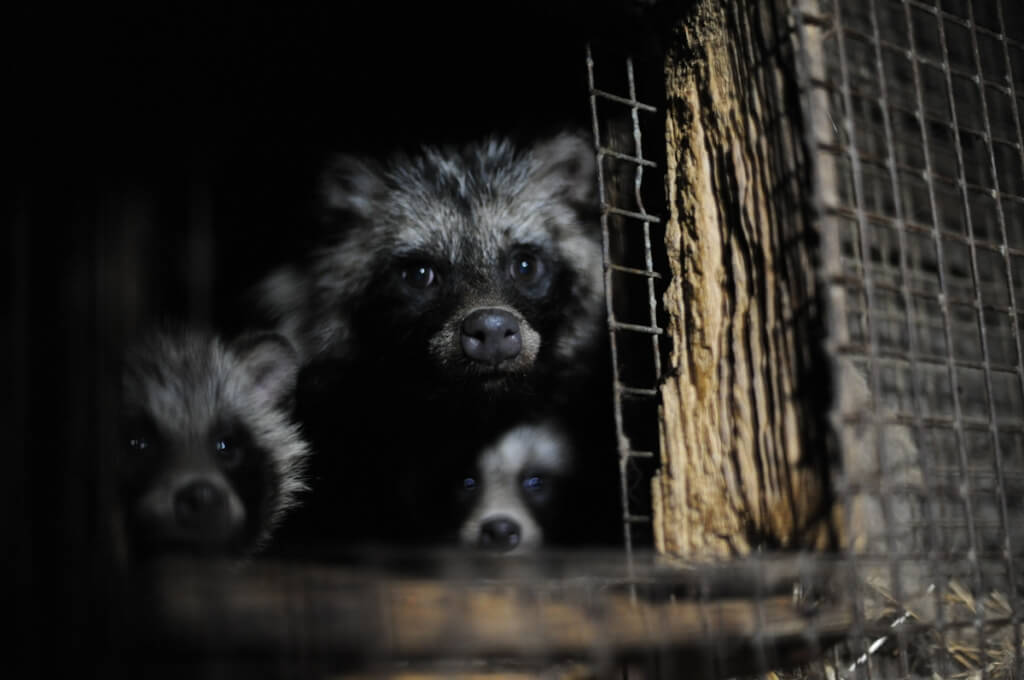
[490, 336]
[200, 505]
[201, 512]
[500, 534]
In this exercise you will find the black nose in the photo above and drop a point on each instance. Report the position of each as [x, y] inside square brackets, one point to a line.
[491, 336]
[500, 534]
[198, 504]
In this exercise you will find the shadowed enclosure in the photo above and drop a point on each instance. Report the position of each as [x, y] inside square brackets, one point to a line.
[813, 236]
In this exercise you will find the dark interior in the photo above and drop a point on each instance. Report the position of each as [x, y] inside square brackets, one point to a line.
[163, 158]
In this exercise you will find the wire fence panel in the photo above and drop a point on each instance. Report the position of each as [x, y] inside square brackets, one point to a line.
[631, 236]
[920, 159]
[869, 190]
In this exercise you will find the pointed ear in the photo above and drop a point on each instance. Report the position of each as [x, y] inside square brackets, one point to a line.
[350, 186]
[567, 163]
[272, 364]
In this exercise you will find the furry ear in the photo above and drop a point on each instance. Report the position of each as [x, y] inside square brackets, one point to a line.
[567, 162]
[283, 297]
[272, 364]
[350, 186]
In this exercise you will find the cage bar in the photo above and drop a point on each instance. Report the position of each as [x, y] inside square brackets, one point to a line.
[631, 207]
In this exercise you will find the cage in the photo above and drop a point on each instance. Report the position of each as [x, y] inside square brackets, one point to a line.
[825, 158]
[812, 219]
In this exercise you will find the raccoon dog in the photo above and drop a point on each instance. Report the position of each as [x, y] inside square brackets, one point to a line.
[526, 488]
[472, 271]
[458, 292]
[514, 491]
[211, 458]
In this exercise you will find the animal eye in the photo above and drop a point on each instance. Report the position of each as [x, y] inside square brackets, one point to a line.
[139, 435]
[533, 483]
[228, 452]
[419, 275]
[469, 484]
[526, 267]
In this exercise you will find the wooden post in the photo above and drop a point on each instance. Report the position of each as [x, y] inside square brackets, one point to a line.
[743, 449]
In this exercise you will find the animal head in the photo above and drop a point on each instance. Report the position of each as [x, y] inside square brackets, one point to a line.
[210, 459]
[515, 489]
[478, 264]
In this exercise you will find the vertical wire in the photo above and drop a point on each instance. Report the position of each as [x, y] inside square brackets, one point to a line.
[623, 446]
[853, 155]
[939, 575]
[973, 555]
[815, 209]
[994, 427]
[908, 305]
[652, 303]
[1015, 611]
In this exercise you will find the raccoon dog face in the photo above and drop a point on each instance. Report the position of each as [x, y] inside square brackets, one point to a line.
[480, 263]
[515, 489]
[210, 458]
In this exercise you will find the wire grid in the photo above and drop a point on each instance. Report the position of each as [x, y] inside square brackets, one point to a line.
[922, 161]
[632, 223]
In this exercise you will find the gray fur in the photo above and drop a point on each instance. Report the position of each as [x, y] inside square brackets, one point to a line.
[465, 206]
[189, 382]
[541, 448]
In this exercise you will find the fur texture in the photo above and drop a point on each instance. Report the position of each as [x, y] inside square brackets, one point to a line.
[457, 293]
[212, 460]
[534, 485]
[513, 491]
[420, 242]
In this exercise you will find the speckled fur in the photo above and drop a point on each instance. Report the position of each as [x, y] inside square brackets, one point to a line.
[466, 207]
[540, 448]
[187, 381]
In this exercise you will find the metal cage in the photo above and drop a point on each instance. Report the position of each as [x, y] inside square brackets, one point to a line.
[898, 128]
[912, 118]
[893, 130]
[632, 272]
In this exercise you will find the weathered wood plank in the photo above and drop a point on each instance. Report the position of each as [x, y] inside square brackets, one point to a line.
[741, 463]
[730, 620]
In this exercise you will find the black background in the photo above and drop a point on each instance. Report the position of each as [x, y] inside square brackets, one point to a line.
[162, 158]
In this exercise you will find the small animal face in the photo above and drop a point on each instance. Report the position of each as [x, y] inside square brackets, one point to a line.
[210, 459]
[471, 268]
[200, 491]
[515, 489]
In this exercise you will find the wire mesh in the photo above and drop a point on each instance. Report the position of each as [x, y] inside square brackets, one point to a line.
[630, 282]
[920, 165]
[914, 114]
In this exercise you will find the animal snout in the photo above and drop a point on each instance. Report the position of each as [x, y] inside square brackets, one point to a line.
[491, 336]
[199, 505]
[500, 534]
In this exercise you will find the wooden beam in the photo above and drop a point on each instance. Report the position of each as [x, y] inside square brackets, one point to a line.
[367, 616]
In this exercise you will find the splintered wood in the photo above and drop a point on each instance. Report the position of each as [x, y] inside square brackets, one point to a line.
[737, 470]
